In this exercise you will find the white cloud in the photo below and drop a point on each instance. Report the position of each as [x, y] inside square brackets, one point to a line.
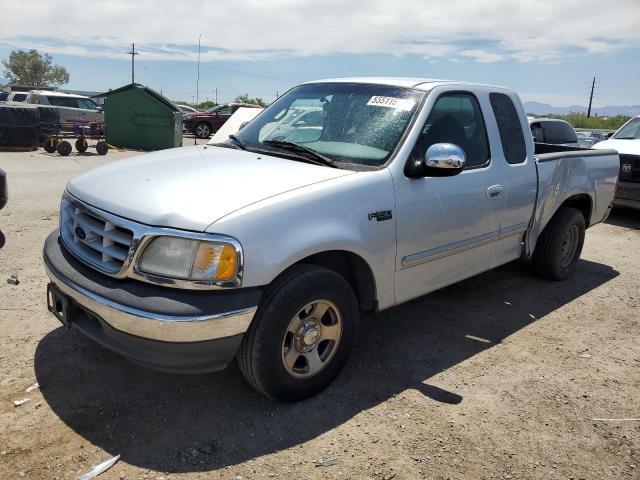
[483, 56]
[487, 31]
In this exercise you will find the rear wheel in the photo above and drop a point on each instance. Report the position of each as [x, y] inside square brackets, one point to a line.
[202, 130]
[560, 244]
[302, 334]
[102, 148]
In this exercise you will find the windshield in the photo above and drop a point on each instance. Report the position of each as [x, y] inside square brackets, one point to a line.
[630, 130]
[346, 122]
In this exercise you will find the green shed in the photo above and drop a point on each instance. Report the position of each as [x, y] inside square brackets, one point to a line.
[141, 118]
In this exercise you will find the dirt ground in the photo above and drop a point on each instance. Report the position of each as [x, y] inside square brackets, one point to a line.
[503, 376]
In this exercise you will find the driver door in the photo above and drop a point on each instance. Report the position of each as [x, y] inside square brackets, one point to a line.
[447, 225]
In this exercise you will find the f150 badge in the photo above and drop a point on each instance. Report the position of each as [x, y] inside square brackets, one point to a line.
[381, 215]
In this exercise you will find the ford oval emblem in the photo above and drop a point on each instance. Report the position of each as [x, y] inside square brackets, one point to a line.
[80, 233]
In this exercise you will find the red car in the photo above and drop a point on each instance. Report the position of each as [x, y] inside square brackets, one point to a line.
[204, 124]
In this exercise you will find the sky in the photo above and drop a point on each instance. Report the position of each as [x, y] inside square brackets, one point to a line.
[549, 51]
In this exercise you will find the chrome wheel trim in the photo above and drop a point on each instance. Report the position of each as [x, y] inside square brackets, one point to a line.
[203, 130]
[569, 245]
[311, 339]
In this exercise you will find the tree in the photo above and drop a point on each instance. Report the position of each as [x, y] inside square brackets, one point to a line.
[32, 68]
[253, 101]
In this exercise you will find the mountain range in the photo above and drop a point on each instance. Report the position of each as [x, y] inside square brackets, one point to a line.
[537, 108]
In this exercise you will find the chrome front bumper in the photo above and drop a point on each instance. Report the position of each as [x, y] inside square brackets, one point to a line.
[150, 312]
[155, 326]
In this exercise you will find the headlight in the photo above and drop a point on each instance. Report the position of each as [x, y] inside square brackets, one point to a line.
[187, 259]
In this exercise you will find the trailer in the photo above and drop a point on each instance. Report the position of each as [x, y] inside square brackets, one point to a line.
[60, 135]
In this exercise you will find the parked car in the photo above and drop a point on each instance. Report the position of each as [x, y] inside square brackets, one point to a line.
[73, 108]
[589, 139]
[203, 124]
[304, 121]
[186, 108]
[4, 189]
[553, 131]
[269, 250]
[17, 96]
[626, 141]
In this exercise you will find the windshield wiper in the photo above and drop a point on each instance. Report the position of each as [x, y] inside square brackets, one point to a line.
[625, 138]
[308, 153]
[239, 144]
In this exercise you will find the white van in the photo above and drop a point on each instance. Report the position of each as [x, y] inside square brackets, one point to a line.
[73, 108]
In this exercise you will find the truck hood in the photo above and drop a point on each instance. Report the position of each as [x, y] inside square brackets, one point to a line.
[191, 187]
[630, 147]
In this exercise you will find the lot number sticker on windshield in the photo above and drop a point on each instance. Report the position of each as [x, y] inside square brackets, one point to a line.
[405, 104]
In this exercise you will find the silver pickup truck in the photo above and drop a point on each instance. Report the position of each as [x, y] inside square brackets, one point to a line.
[269, 246]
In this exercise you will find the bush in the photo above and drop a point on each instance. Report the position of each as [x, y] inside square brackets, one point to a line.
[580, 120]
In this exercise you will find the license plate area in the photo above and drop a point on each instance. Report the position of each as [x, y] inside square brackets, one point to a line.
[61, 305]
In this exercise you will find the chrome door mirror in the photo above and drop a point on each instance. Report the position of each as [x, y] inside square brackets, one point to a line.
[443, 160]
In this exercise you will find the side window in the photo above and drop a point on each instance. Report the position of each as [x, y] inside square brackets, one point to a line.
[227, 110]
[456, 118]
[63, 101]
[511, 135]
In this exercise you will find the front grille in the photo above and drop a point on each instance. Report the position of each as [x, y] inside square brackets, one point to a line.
[99, 243]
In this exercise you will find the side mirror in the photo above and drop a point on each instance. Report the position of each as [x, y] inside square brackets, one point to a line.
[242, 125]
[99, 109]
[443, 160]
[299, 123]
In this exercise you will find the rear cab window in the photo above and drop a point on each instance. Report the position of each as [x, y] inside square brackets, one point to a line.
[510, 128]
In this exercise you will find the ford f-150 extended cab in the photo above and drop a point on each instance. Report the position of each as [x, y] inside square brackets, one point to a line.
[268, 249]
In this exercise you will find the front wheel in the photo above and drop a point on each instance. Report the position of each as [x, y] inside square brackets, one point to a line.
[302, 334]
[560, 244]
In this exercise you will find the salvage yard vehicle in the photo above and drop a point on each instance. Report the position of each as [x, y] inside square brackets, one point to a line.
[73, 108]
[204, 124]
[269, 250]
[626, 141]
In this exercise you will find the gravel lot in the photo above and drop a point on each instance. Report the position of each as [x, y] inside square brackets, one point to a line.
[502, 376]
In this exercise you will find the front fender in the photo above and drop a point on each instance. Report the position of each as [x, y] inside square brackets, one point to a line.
[333, 215]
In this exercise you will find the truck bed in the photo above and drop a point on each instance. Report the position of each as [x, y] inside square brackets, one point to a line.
[567, 173]
[628, 191]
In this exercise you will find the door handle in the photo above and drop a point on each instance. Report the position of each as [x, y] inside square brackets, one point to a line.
[494, 192]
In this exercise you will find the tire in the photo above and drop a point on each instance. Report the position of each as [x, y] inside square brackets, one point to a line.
[64, 148]
[50, 145]
[202, 130]
[560, 245]
[269, 343]
[102, 148]
[81, 145]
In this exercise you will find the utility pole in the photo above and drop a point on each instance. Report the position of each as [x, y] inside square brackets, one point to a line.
[195, 137]
[216, 95]
[593, 84]
[133, 54]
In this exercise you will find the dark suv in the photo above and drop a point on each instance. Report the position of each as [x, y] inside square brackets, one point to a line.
[204, 124]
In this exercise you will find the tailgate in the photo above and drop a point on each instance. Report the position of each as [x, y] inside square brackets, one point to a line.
[629, 168]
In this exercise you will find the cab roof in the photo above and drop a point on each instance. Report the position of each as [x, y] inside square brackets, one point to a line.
[407, 82]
